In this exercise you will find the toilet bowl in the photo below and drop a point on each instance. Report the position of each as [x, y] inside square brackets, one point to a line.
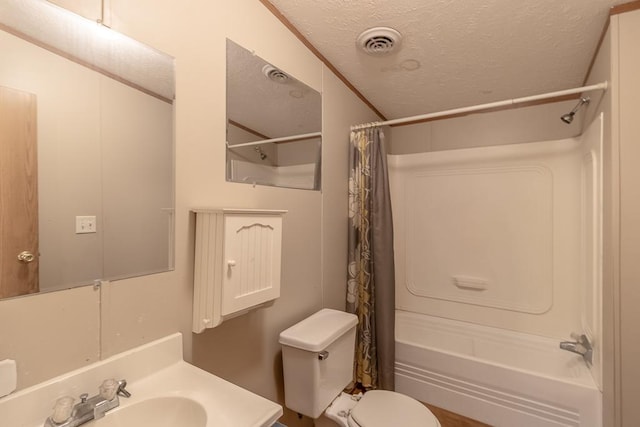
[317, 357]
[377, 408]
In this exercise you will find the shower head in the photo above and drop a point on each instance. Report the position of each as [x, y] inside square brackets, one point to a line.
[261, 153]
[568, 118]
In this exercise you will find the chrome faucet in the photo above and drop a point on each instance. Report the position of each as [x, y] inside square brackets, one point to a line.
[581, 346]
[65, 414]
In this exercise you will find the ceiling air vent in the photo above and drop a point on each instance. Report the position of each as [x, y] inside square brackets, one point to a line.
[379, 41]
[275, 74]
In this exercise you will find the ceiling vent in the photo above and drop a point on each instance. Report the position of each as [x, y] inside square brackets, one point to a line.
[379, 41]
[275, 74]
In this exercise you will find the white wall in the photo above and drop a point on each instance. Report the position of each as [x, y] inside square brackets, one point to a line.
[244, 350]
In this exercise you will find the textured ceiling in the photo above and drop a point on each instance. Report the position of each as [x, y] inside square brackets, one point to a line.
[469, 52]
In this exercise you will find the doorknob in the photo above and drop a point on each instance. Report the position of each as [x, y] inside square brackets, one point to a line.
[26, 257]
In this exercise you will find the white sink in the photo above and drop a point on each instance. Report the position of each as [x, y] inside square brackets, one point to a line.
[165, 391]
[157, 412]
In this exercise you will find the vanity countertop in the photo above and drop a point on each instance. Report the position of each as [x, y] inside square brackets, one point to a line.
[153, 371]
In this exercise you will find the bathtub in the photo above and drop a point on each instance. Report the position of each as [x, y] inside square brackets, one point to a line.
[496, 376]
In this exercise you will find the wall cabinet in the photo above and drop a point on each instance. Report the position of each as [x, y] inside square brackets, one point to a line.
[237, 263]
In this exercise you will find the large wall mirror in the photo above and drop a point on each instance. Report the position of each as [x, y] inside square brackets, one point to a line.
[86, 152]
[274, 124]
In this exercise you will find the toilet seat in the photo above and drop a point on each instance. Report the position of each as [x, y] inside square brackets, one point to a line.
[380, 408]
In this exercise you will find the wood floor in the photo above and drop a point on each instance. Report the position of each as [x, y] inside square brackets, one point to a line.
[450, 419]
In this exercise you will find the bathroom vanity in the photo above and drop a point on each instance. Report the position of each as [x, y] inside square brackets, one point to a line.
[165, 391]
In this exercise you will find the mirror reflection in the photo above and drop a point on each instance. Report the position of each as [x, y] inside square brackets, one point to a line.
[86, 191]
[273, 124]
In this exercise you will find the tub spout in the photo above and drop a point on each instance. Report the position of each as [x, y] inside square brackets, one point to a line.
[581, 346]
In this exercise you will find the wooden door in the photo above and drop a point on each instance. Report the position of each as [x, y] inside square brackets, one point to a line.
[18, 193]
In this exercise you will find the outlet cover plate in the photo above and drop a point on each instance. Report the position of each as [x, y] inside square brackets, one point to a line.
[86, 224]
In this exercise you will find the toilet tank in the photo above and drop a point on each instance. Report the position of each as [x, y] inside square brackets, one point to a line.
[317, 358]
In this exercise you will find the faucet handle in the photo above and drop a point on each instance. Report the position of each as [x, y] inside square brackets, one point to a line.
[62, 409]
[108, 389]
[122, 391]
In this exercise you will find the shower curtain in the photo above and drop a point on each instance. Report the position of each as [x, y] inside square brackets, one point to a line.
[371, 275]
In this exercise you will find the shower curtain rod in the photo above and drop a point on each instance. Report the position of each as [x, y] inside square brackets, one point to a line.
[281, 139]
[599, 86]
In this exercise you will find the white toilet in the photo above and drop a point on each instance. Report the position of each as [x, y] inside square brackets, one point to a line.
[317, 355]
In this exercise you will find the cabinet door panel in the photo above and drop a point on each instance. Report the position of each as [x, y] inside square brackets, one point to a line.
[252, 261]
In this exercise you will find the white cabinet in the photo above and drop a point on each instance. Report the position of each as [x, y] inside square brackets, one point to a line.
[237, 263]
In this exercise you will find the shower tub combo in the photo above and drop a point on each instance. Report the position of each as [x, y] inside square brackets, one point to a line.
[499, 377]
[498, 260]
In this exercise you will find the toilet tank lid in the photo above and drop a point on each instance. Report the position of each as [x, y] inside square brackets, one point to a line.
[318, 331]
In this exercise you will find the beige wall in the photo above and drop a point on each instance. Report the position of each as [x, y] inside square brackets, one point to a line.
[136, 141]
[68, 99]
[340, 110]
[130, 312]
[628, 91]
[298, 153]
[82, 138]
[618, 61]
[50, 333]
[602, 71]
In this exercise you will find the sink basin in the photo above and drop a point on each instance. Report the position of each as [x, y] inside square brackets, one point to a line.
[165, 391]
[158, 412]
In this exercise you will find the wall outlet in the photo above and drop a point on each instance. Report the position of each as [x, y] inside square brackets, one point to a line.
[86, 224]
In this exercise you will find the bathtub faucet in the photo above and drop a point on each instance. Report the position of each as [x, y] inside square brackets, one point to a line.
[581, 346]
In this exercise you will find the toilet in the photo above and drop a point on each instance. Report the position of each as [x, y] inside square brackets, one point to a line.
[317, 357]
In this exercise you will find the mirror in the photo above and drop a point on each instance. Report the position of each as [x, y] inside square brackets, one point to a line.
[274, 124]
[86, 143]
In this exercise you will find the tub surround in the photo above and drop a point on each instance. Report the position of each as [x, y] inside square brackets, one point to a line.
[523, 267]
[530, 238]
[493, 375]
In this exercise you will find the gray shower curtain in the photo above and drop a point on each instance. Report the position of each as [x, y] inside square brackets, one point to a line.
[371, 274]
